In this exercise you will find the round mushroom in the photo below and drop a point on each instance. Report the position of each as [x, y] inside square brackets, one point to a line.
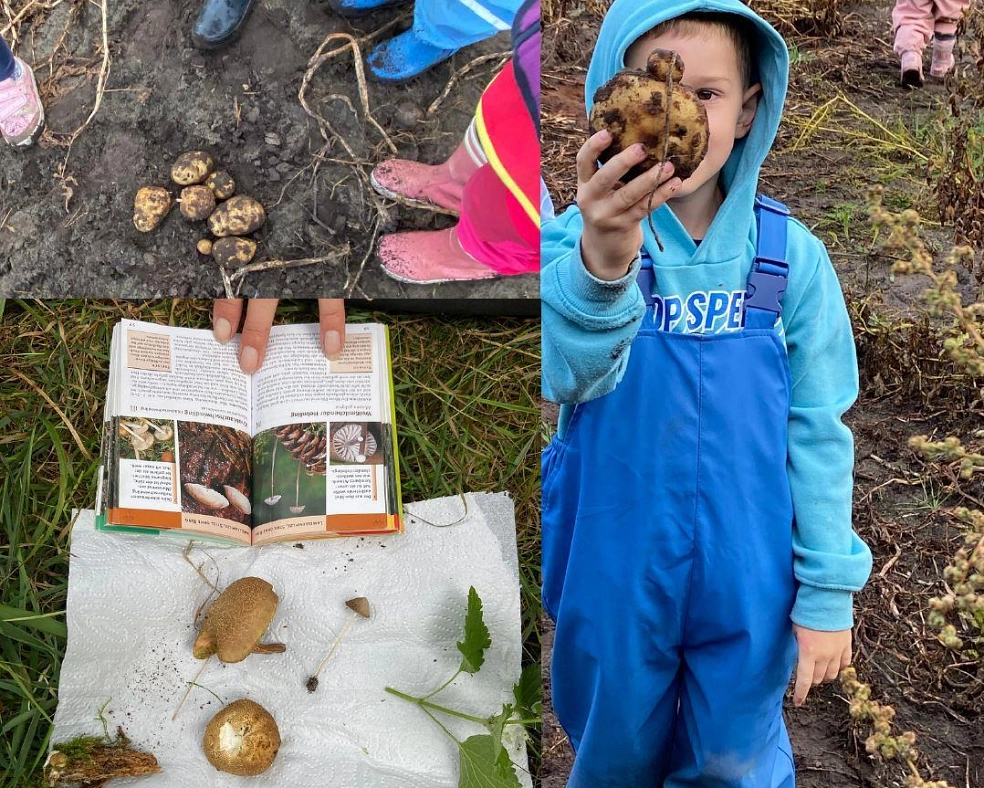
[242, 739]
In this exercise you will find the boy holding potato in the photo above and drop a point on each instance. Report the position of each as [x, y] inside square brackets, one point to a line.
[697, 536]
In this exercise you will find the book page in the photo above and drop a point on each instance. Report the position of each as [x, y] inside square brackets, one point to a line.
[180, 447]
[323, 451]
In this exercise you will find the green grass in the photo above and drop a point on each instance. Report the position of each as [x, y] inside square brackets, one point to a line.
[468, 413]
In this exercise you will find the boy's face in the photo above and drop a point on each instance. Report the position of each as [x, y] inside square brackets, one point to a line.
[712, 71]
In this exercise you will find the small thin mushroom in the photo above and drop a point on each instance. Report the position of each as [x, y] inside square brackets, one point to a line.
[360, 609]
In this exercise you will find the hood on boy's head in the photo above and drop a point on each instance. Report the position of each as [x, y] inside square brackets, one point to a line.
[628, 20]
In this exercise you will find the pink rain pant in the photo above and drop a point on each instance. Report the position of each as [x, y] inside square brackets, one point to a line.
[915, 21]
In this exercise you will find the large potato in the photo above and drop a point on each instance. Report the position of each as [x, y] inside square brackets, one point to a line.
[653, 108]
[191, 167]
[238, 215]
[232, 251]
[197, 202]
[150, 206]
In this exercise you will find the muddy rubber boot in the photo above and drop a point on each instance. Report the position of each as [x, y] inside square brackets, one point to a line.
[403, 57]
[21, 113]
[912, 69]
[427, 185]
[218, 22]
[360, 7]
[943, 59]
[432, 257]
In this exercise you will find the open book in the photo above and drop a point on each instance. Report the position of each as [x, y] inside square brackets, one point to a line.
[303, 448]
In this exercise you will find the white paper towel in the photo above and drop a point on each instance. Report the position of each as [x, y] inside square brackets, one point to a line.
[131, 604]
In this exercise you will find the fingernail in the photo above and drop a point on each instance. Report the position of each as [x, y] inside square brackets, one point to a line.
[223, 330]
[640, 150]
[332, 343]
[248, 359]
[604, 135]
[667, 167]
[675, 184]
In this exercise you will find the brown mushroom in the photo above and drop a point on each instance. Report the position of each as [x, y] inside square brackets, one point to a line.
[242, 739]
[237, 620]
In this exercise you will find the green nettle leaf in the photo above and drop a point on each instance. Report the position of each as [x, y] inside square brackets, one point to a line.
[481, 767]
[528, 691]
[477, 637]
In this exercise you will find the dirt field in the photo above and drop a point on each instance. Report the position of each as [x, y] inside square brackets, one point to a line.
[822, 168]
[65, 212]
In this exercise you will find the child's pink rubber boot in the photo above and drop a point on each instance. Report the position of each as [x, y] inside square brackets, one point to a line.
[431, 257]
[429, 185]
[943, 59]
[912, 69]
[21, 113]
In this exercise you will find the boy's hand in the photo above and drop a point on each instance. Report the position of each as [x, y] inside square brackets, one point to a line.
[612, 210]
[822, 655]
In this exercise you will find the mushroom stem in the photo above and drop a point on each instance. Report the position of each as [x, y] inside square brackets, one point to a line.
[335, 645]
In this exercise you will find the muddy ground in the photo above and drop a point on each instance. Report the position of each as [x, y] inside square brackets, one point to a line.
[65, 212]
[903, 504]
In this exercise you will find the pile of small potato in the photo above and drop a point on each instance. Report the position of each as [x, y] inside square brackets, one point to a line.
[206, 193]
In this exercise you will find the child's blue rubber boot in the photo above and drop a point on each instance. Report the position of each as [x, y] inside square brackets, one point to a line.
[404, 57]
[360, 7]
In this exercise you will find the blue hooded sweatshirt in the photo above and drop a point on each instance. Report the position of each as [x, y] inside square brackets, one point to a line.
[589, 324]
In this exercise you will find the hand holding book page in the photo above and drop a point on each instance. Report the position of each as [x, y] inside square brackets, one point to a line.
[227, 312]
[303, 448]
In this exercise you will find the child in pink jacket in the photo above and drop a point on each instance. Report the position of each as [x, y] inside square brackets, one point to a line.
[915, 22]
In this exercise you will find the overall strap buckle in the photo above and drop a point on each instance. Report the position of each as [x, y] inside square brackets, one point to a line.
[768, 276]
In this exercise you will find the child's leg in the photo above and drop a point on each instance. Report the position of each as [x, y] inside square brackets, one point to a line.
[6, 61]
[947, 15]
[912, 21]
[495, 229]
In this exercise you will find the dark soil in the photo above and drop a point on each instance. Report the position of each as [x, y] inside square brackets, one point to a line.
[65, 213]
[903, 503]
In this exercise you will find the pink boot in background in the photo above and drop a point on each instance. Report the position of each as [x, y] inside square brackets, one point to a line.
[430, 257]
[943, 59]
[430, 185]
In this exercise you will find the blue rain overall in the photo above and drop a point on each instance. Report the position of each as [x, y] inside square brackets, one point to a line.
[667, 554]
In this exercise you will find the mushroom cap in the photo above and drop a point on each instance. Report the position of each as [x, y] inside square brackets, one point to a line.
[236, 620]
[359, 605]
[242, 739]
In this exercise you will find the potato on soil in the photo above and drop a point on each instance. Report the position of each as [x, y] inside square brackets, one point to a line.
[242, 739]
[237, 620]
[204, 246]
[150, 206]
[222, 184]
[233, 251]
[653, 108]
[197, 202]
[191, 167]
[238, 215]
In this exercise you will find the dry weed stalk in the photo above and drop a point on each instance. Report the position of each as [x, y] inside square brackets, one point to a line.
[960, 184]
[966, 578]
[965, 574]
[883, 743]
[814, 17]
